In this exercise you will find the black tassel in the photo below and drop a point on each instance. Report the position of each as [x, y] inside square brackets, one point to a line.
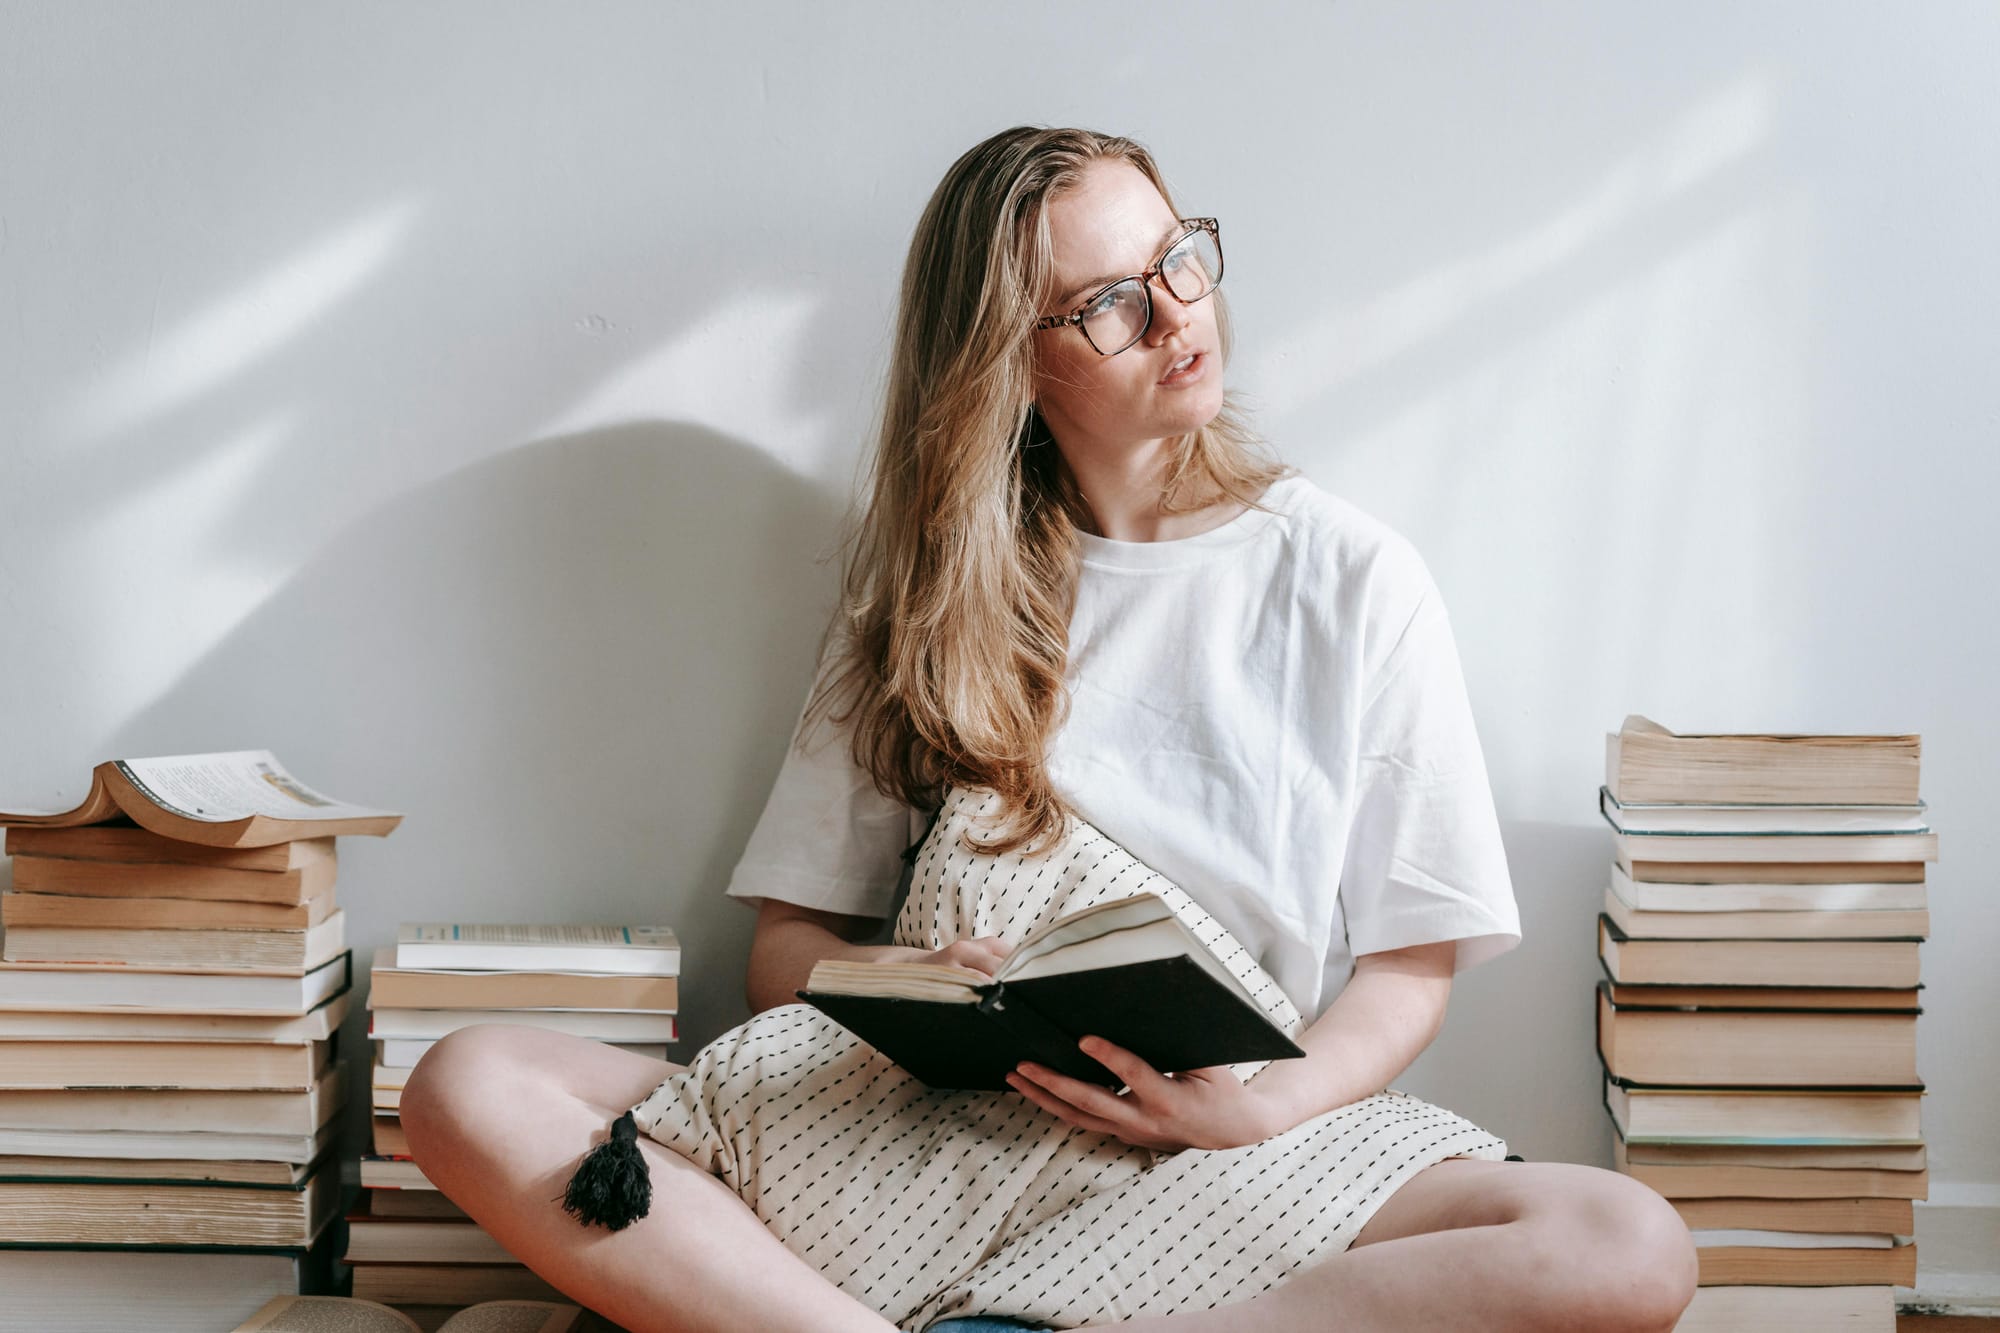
[611, 1186]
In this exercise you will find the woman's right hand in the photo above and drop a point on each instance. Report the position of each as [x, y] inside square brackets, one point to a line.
[983, 953]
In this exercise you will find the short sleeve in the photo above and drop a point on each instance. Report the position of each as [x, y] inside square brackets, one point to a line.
[827, 839]
[1424, 859]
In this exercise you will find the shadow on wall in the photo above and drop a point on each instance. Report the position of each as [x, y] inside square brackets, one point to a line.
[1528, 1018]
[574, 666]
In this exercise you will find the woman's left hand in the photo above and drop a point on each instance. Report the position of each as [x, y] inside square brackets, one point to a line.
[1195, 1108]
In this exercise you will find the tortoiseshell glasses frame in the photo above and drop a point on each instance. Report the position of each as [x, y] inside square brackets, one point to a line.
[1145, 281]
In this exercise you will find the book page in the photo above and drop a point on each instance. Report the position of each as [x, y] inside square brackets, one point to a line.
[218, 788]
[1098, 919]
[1142, 928]
[326, 1314]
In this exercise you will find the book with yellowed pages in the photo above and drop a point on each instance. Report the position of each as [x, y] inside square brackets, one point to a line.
[375, 1238]
[126, 881]
[80, 988]
[1645, 762]
[448, 1284]
[217, 1065]
[136, 1211]
[131, 912]
[1875, 924]
[1843, 1216]
[346, 1314]
[1761, 997]
[1765, 849]
[1647, 1113]
[395, 986]
[237, 798]
[1687, 817]
[291, 952]
[191, 1170]
[1846, 896]
[390, 1141]
[404, 1052]
[1803, 1259]
[134, 1024]
[388, 1201]
[123, 841]
[1727, 1179]
[1129, 971]
[616, 1027]
[121, 1147]
[1750, 1309]
[1839, 1156]
[155, 1111]
[392, 1173]
[1752, 1048]
[1774, 872]
[1891, 964]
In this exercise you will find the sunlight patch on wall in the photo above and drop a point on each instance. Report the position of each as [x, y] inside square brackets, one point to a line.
[239, 329]
[735, 370]
[1308, 360]
[167, 577]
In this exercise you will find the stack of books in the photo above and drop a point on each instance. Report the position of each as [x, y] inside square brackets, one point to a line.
[173, 974]
[407, 1245]
[1757, 1014]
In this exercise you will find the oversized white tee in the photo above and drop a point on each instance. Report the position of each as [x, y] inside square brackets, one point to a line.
[1271, 714]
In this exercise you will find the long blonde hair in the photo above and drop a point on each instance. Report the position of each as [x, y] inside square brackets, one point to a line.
[952, 633]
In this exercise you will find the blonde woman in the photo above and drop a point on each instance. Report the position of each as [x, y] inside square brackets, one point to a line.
[1091, 639]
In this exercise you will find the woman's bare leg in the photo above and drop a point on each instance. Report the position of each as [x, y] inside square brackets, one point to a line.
[1535, 1247]
[497, 1116]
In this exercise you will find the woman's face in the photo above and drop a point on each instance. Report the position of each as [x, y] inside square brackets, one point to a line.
[1112, 225]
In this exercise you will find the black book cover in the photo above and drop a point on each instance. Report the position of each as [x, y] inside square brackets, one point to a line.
[1170, 1012]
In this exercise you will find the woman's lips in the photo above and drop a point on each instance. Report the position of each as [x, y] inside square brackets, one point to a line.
[1194, 371]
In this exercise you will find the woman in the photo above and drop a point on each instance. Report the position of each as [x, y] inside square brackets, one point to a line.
[1084, 626]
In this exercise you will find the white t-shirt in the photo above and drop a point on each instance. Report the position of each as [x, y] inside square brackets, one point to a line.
[1270, 713]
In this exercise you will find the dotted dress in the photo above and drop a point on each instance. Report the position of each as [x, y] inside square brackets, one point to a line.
[924, 1204]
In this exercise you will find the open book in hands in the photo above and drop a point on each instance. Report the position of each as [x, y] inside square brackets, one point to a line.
[344, 1314]
[1129, 971]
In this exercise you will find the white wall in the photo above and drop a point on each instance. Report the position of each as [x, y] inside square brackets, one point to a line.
[453, 398]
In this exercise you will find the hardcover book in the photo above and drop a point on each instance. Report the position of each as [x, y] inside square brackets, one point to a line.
[1128, 971]
[1644, 762]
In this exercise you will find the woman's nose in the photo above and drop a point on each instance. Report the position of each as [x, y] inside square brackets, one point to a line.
[1170, 313]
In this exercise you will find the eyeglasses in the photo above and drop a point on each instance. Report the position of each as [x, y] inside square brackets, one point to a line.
[1118, 314]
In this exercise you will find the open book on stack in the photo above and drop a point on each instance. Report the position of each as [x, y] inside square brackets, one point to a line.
[1129, 971]
[408, 1245]
[1756, 1017]
[173, 975]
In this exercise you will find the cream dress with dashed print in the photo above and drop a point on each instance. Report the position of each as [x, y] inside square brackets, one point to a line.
[924, 1204]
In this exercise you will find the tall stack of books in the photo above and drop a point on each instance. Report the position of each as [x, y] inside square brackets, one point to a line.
[1757, 1015]
[408, 1245]
[173, 973]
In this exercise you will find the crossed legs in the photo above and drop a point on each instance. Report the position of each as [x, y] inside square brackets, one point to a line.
[497, 1116]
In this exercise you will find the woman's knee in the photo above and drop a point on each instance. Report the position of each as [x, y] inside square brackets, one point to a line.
[464, 1074]
[1632, 1254]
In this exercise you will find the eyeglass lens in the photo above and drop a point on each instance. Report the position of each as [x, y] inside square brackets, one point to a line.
[1119, 317]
